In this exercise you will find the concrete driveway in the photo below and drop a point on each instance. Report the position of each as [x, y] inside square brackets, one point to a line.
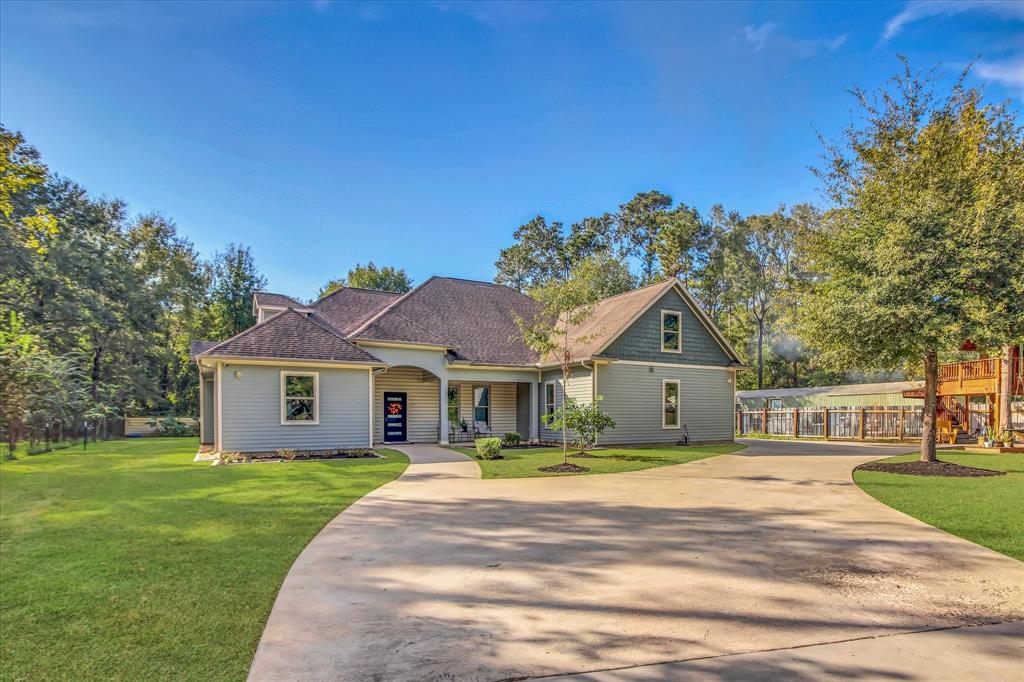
[766, 564]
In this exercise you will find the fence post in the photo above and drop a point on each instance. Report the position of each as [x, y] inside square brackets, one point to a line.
[764, 420]
[825, 425]
[796, 422]
[739, 421]
[862, 414]
[902, 418]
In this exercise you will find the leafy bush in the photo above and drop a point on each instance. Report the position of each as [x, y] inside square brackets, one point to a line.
[488, 448]
[170, 426]
[511, 439]
[287, 453]
[585, 422]
[233, 457]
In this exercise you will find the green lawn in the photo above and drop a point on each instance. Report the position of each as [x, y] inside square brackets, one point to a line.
[988, 511]
[129, 561]
[523, 463]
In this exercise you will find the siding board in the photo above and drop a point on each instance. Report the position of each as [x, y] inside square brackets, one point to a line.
[423, 394]
[251, 410]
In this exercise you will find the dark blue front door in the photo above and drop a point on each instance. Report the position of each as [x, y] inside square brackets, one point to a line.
[394, 417]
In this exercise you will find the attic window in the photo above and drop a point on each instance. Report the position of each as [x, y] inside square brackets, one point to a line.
[300, 398]
[671, 331]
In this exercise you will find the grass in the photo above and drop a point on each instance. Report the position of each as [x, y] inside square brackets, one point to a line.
[129, 561]
[523, 463]
[987, 511]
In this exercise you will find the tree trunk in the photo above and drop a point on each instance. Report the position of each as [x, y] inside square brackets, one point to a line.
[760, 354]
[931, 379]
[1005, 388]
[565, 432]
[796, 375]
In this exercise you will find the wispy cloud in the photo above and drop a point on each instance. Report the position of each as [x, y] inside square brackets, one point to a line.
[759, 36]
[923, 9]
[1009, 73]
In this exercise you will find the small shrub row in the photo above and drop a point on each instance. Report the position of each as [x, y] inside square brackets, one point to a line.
[510, 439]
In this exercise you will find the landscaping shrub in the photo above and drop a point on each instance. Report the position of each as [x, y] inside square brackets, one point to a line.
[511, 439]
[287, 453]
[488, 448]
[585, 422]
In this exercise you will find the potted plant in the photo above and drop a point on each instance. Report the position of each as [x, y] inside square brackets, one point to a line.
[1007, 439]
[990, 437]
[463, 425]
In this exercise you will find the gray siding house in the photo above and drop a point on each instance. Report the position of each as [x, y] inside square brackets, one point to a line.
[443, 363]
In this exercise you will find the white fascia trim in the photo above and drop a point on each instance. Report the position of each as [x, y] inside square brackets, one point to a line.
[673, 364]
[400, 344]
[679, 402]
[316, 398]
[500, 368]
[278, 362]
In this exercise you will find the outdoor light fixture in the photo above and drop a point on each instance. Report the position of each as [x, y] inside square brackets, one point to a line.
[238, 374]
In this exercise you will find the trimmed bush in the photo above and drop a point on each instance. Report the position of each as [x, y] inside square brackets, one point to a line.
[488, 448]
[511, 439]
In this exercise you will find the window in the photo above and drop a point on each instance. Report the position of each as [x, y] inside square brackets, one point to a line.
[549, 398]
[453, 404]
[482, 404]
[670, 404]
[775, 404]
[300, 398]
[671, 331]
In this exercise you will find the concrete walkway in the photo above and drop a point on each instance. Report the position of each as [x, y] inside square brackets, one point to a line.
[443, 576]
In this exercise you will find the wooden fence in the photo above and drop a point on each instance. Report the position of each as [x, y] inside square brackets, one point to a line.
[856, 423]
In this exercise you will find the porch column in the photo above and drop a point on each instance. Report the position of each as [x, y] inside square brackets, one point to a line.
[534, 411]
[442, 437]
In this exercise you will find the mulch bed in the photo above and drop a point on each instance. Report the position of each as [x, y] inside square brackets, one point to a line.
[583, 455]
[569, 468]
[929, 469]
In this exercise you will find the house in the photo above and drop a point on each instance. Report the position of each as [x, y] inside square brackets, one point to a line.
[445, 362]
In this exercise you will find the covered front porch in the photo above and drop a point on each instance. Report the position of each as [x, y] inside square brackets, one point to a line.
[415, 405]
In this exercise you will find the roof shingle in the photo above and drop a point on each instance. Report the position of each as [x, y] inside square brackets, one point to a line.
[289, 335]
[348, 308]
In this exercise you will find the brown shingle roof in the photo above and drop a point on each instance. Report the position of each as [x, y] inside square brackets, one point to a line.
[476, 319]
[293, 336]
[199, 347]
[265, 298]
[608, 319]
[348, 308]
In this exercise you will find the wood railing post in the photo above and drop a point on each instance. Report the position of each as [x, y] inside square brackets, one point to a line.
[796, 422]
[764, 421]
[899, 425]
[825, 424]
[862, 413]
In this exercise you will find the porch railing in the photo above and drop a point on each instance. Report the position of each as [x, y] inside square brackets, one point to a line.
[987, 368]
[857, 423]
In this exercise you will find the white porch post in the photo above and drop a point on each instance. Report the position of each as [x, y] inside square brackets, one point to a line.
[534, 411]
[442, 437]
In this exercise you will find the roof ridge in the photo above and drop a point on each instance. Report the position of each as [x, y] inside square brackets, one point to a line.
[391, 306]
[246, 332]
[344, 288]
[663, 282]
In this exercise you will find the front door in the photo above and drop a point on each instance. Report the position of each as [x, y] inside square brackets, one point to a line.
[394, 417]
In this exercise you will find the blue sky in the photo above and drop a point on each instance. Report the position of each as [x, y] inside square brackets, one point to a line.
[421, 135]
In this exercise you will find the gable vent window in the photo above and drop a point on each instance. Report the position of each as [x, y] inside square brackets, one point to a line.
[671, 331]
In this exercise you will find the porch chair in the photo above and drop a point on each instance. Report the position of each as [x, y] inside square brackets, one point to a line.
[945, 431]
[481, 430]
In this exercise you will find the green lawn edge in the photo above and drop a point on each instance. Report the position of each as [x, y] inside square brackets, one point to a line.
[986, 511]
[130, 561]
[525, 462]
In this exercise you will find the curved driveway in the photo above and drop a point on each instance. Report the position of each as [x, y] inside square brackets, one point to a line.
[443, 576]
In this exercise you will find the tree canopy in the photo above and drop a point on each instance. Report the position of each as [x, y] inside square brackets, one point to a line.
[369, 276]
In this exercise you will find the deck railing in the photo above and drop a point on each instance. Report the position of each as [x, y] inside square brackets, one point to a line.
[987, 368]
[856, 423]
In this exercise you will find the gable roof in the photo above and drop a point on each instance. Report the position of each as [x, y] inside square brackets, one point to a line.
[348, 308]
[290, 335]
[614, 315]
[266, 299]
[476, 320]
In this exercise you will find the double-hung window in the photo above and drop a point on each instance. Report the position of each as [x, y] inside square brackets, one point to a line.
[300, 398]
[670, 404]
[671, 331]
[549, 397]
[482, 404]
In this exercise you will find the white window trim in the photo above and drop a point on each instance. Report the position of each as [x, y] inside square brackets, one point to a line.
[679, 403]
[554, 396]
[490, 390]
[316, 398]
[679, 316]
